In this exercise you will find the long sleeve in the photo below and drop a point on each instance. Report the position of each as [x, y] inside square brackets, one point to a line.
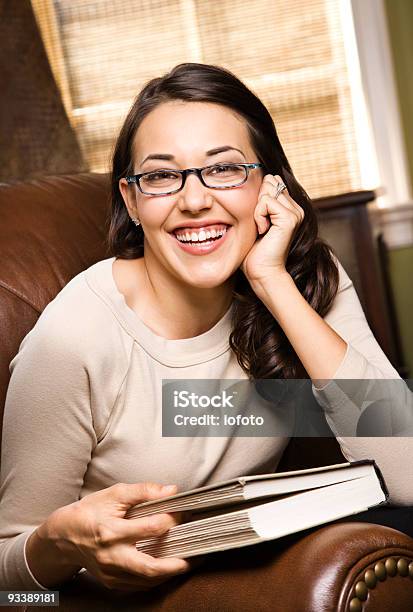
[65, 382]
[344, 402]
[48, 439]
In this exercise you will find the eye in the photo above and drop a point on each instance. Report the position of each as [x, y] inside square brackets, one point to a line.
[225, 174]
[159, 176]
[222, 169]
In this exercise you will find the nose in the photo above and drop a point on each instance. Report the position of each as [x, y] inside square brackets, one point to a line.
[194, 196]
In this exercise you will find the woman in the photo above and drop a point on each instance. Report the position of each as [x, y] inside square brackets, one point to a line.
[217, 273]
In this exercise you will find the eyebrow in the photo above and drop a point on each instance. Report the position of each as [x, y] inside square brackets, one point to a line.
[210, 153]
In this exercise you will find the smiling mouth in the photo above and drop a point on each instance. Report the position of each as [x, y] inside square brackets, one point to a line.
[204, 237]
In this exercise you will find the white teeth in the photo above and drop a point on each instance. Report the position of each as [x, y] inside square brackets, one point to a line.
[202, 236]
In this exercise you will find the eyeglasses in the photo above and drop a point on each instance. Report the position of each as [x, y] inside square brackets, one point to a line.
[165, 181]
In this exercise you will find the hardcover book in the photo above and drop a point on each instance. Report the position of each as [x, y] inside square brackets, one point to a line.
[252, 509]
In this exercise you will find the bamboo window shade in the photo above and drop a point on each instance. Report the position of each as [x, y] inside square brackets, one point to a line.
[289, 52]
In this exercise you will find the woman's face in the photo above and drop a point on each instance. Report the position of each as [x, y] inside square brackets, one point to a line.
[179, 135]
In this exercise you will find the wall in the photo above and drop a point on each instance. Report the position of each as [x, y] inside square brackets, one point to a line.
[36, 136]
[401, 265]
[400, 22]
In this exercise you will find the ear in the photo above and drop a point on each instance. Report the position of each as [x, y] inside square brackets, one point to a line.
[128, 194]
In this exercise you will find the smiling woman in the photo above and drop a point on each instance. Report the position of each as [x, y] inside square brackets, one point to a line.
[212, 197]
[200, 116]
[217, 273]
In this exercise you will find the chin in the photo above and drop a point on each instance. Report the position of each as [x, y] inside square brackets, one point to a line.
[207, 281]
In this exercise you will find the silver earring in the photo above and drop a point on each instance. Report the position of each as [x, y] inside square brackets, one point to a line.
[135, 221]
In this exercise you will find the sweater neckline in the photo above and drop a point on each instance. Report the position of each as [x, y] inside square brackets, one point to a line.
[181, 352]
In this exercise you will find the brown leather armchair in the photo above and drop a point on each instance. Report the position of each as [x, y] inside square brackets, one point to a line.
[50, 230]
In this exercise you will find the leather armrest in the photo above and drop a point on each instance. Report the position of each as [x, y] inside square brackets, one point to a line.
[313, 571]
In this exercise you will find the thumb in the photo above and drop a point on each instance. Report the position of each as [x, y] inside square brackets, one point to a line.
[132, 494]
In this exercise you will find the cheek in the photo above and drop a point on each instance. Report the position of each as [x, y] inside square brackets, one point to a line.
[152, 213]
[245, 206]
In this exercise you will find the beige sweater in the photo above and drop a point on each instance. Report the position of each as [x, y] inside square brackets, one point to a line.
[83, 409]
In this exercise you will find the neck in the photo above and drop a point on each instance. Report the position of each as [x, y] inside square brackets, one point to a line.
[181, 311]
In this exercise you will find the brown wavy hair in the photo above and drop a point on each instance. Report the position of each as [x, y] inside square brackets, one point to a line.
[259, 343]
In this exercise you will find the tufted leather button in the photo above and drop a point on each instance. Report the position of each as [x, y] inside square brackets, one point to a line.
[370, 579]
[355, 605]
[361, 590]
[411, 569]
[380, 570]
[402, 567]
[391, 566]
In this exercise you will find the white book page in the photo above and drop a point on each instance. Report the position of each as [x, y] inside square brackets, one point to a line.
[312, 508]
[260, 488]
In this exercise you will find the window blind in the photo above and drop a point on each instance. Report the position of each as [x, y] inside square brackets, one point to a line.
[291, 53]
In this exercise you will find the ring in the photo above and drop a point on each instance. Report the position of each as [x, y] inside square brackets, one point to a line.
[280, 187]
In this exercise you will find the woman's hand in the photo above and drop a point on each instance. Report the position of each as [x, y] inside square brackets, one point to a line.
[278, 218]
[94, 534]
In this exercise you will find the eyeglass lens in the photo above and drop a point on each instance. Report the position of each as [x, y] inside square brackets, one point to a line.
[219, 175]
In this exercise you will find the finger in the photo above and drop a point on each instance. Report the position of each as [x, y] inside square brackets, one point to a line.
[132, 494]
[166, 566]
[284, 197]
[148, 567]
[273, 181]
[261, 212]
[269, 202]
[287, 200]
[151, 526]
[128, 565]
[277, 213]
[271, 187]
[269, 179]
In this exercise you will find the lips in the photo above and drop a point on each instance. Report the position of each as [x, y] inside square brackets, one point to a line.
[200, 225]
[203, 247]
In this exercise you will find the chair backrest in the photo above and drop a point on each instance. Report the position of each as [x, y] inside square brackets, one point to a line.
[51, 229]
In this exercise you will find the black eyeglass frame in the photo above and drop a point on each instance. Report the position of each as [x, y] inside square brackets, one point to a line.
[135, 178]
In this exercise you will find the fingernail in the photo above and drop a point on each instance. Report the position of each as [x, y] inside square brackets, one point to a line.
[169, 488]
